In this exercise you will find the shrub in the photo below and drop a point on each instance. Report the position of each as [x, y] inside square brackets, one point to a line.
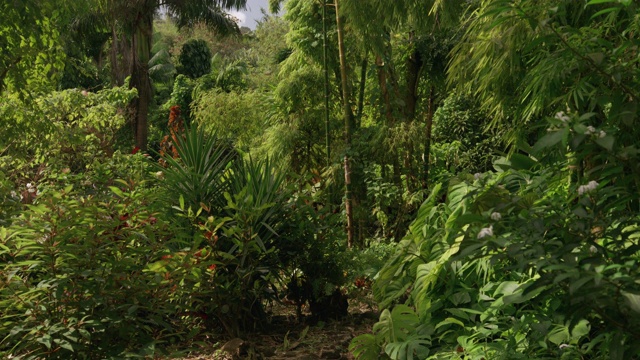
[460, 120]
[195, 59]
[62, 130]
[76, 280]
[251, 234]
[527, 262]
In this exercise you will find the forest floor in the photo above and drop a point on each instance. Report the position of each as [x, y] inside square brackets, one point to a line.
[288, 338]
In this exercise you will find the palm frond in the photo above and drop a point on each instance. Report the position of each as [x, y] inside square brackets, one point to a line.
[211, 13]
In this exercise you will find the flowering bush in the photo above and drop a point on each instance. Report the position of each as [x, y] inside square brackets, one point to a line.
[527, 262]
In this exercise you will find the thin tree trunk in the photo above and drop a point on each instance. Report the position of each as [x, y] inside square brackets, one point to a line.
[414, 66]
[348, 126]
[388, 112]
[363, 81]
[382, 81]
[427, 142]
[141, 50]
[113, 58]
[326, 82]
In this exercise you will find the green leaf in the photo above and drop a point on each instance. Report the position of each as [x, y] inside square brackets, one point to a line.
[116, 190]
[559, 335]
[548, 140]
[596, 57]
[606, 142]
[574, 286]
[364, 347]
[581, 329]
[45, 340]
[522, 162]
[395, 325]
[605, 11]
[633, 300]
[506, 288]
[628, 113]
[595, 2]
[406, 350]
[448, 321]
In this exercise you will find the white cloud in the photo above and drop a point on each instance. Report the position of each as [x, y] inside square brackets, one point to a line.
[242, 17]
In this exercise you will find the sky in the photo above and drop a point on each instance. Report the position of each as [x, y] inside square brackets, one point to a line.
[249, 16]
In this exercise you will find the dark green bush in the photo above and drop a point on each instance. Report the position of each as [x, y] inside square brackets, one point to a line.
[460, 120]
[195, 59]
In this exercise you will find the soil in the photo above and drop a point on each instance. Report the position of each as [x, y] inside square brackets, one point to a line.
[290, 338]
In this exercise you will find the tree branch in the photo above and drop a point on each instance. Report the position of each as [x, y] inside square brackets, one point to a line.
[595, 66]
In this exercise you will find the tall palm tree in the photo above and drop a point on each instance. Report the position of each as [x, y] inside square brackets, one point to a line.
[136, 18]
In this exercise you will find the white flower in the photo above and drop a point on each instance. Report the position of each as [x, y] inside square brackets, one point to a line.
[583, 189]
[159, 174]
[562, 116]
[477, 176]
[84, 93]
[30, 188]
[562, 346]
[29, 185]
[485, 232]
[602, 134]
[593, 249]
[495, 216]
[13, 194]
[590, 130]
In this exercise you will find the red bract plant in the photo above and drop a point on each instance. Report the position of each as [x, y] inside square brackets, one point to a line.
[176, 129]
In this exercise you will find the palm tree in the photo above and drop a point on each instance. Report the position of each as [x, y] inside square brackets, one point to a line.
[136, 19]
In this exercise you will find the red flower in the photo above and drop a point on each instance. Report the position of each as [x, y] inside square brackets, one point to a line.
[212, 267]
[135, 150]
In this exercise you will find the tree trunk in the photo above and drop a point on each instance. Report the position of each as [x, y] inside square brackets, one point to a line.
[141, 51]
[427, 141]
[414, 66]
[116, 77]
[388, 112]
[348, 127]
[363, 82]
[325, 70]
[382, 82]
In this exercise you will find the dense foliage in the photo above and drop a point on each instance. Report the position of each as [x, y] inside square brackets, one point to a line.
[195, 58]
[474, 162]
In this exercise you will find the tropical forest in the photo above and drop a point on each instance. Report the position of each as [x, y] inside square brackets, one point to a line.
[341, 179]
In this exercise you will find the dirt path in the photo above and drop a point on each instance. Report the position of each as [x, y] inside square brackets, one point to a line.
[287, 338]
